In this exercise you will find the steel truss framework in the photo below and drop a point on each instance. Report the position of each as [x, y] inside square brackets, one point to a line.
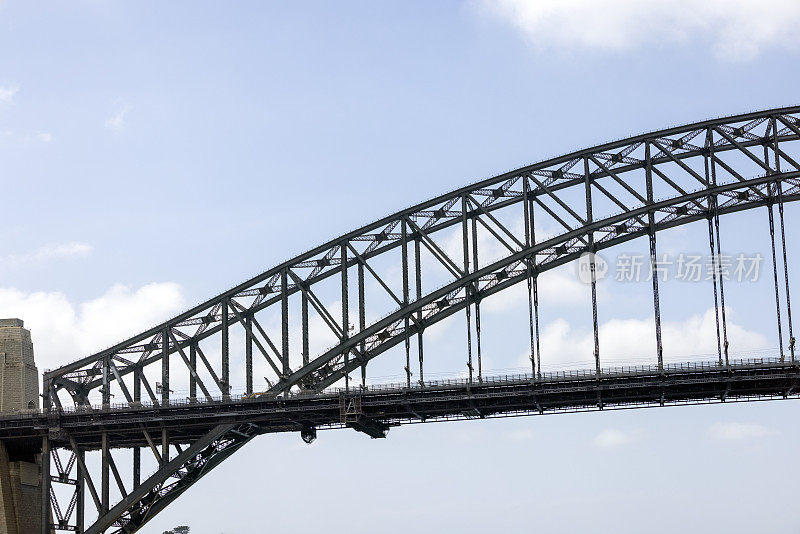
[600, 197]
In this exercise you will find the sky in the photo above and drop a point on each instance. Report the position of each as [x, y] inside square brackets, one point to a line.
[155, 154]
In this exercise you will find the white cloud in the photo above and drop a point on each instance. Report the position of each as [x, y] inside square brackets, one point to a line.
[23, 138]
[555, 287]
[63, 331]
[51, 252]
[633, 341]
[739, 431]
[561, 286]
[735, 29]
[117, 120]
[7, 93]
[612, 438]
[521, 435]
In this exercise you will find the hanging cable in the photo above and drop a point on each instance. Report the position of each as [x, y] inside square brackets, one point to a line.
[771, 188]
[785, 270]
[407, 340]
[721, 285]
[533, 298]
[530, 317]
[468, 287]
[418, 285]
[714, 282]
[477, 299]
[536, 324]
[783, 234]
[711, 202]
[717, 257]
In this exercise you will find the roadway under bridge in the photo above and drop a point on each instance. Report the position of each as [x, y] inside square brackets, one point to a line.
[114, 444]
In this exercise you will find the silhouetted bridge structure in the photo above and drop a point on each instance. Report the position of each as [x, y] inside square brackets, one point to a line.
[120, 399]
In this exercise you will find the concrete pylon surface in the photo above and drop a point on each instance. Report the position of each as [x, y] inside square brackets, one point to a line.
[20, 471]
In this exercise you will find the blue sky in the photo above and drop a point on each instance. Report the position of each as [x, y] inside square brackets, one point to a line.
[153, 154]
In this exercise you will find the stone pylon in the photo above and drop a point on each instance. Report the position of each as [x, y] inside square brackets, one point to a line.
[20, 470]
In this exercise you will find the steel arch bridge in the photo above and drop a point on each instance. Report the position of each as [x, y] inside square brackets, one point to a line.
[121, 398]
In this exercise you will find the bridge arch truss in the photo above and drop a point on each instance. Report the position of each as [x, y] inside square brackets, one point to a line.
[598, 197]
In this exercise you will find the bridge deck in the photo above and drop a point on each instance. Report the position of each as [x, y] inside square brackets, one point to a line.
[384, 406]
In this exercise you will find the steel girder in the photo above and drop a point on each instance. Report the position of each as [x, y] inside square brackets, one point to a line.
[599, 197]
[146, 498]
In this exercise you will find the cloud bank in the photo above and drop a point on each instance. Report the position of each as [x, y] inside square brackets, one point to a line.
[633, 341]
[117, 120]
[736, 30]
[7, 93]
[63, 331]
[53, 252]
[613, 438]
[739, 431]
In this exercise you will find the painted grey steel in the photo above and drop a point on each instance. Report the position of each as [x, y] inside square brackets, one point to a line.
[701, 171]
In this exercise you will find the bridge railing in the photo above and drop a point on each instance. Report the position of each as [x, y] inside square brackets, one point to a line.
[551, 376]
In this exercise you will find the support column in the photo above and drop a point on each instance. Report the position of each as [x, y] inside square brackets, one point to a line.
[418, 285]
[24, 475]
[651, 221]
[226, 366]
[592, 266]
[467, 292]
[44, 497]
[716, 254]
[165, 366]
[248, 354]
[404, 256]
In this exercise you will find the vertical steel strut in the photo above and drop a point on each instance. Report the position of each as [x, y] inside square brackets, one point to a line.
[418, 285]
[226, 368]
[716, 255]
[362, 322]
[345, 313]
[714, 279]
[786, 272]
[592, 267]
[721, 285]
[304, 325]
[528, 271]
[710, 217]
[771, 189]
[165, 366]
[285, 321]
[404, 251]
[106, 388]
[651, 218]
[530, 240]
[248, 354]
[532, 279]
[465, 244]
[477, 298]
[783, 238]
[772, 197]
[137, 452]
[80, 493]
[104, 478]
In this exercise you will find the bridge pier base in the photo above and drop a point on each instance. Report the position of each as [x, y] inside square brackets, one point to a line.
[20, 469]
[20, 495]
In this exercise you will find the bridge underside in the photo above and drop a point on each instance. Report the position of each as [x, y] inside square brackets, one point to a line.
[375, 410]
